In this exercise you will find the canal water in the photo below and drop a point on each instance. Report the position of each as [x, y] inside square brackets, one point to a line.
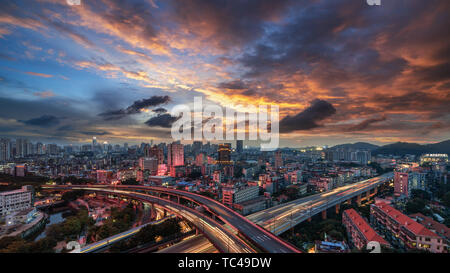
[54, 218]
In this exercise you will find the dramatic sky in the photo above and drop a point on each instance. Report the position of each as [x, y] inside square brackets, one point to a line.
[340, 70]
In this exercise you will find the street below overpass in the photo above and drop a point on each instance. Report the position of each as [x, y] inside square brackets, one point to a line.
[263, 239]
[220, 236]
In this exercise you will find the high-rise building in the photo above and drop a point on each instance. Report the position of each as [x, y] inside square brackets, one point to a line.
[175, 154]
[5, 149]
[51, 149]
[148, 163]
[21, 147]
[40, 148]
[224, 152]
[363, 157]
[278, 160]
[239, 146]
[401, 183]
[154, 151]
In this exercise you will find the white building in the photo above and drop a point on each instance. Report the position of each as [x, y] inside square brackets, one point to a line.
[16, 200]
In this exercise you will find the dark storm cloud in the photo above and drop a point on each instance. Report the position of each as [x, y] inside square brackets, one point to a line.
[42, 121]
[95, 133]
[435, 73]
[307, 119]
[162, 120]
[366, 123]
[312, 44]
[416, 100]
[237, 84]
[135, 108]
[227, 23]
[160, 110]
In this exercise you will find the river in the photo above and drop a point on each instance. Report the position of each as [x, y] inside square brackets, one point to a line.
[54, 218]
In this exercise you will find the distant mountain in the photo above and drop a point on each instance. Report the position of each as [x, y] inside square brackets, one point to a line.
[401, 148]
[358, 146]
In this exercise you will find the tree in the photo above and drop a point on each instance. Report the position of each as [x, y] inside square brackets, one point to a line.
[415, 205]
[416, 193]
[72, 195]
[446, 199]
[291, 193]
[130, 182]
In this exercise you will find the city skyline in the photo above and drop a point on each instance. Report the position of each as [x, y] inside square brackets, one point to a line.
[340, 71]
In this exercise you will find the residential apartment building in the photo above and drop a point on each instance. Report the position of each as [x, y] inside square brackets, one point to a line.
[236, 195]
[16, 200]
[359, 231]
[404, 232]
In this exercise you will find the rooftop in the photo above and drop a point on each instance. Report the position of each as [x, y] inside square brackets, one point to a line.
[430, 223]
[413, 226]
[368, 232]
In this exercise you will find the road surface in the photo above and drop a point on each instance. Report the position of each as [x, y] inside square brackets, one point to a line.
[280, 218]
[194, 244]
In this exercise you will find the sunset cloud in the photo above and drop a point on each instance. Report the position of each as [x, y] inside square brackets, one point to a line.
[339, 69]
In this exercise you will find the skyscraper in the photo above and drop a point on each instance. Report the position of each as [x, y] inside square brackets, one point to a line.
[278, 159]
[239, 146]
[156, 152]
[224, 152]
[5, 149]
[401, 183]
[21, 147]
[175, 154]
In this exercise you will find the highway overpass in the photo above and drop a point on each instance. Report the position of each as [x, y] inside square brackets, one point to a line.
[221, 236]
[281, 218]
[276, 219]
[218, 234]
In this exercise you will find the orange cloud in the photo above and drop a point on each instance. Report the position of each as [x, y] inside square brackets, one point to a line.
[39, 74]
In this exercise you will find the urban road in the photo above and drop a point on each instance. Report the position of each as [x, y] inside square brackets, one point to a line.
[221, 237]
[277, 219]
[281, 218]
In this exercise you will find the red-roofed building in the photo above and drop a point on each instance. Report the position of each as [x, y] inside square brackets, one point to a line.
[359, 230]
[438, 228]
[404, 231]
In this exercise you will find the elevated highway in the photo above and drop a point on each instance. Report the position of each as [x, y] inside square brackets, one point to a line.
[219, 235]
[281, 218]
[235, 224]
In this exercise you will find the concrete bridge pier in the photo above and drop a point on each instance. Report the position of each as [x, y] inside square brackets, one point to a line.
[152, 211]
[338, 206]
[358, 199]
[324, 214]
